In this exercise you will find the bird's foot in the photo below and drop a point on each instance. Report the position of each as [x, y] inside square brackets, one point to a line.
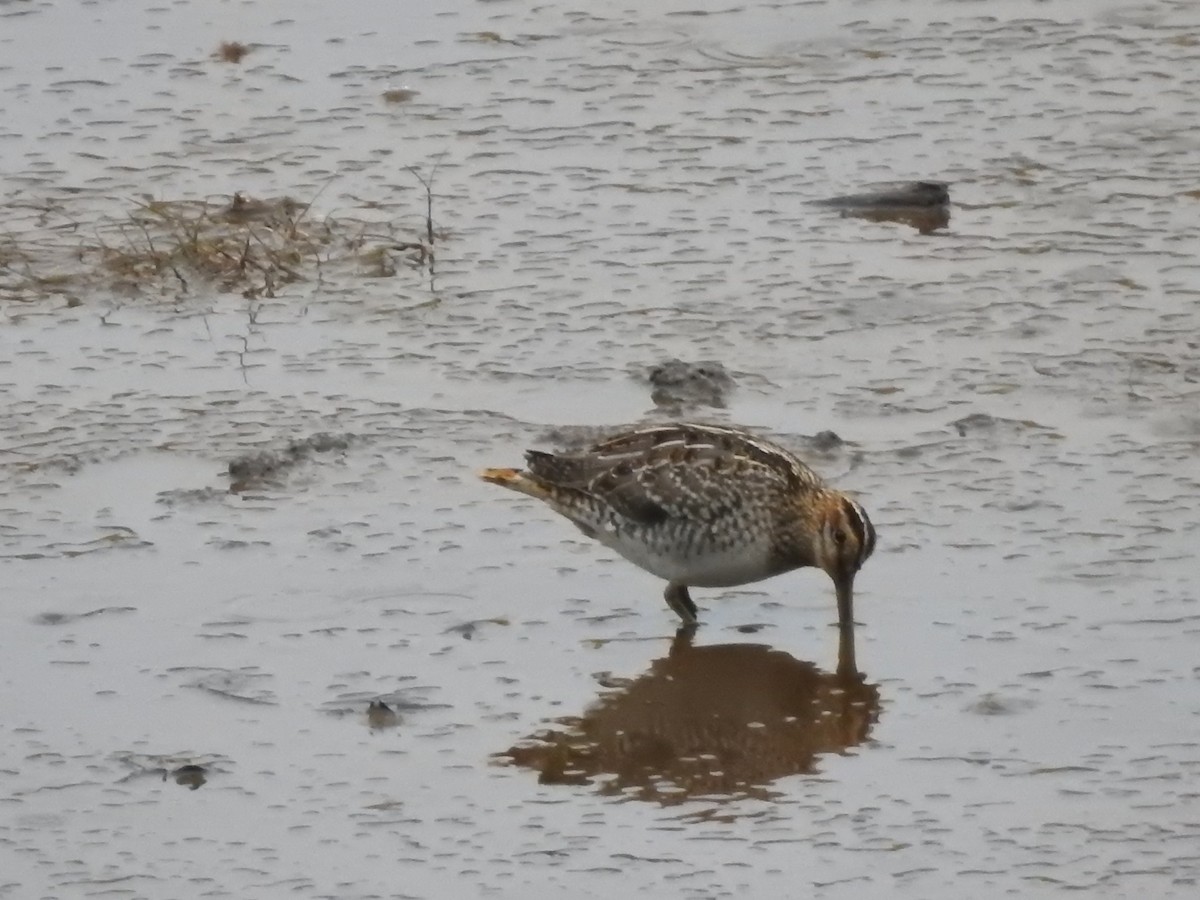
[680, 601]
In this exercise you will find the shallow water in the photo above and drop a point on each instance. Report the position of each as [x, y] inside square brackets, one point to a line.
[1018, 394]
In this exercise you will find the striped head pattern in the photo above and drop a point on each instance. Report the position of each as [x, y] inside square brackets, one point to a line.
[845, 538]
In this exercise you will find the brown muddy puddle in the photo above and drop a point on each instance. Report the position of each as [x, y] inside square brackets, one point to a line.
[346, 668]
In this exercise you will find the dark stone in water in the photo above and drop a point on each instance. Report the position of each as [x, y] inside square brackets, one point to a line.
[191, 777]
[923, 205]
[909, 194]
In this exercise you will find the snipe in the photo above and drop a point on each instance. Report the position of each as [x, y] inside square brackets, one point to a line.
[703, 506]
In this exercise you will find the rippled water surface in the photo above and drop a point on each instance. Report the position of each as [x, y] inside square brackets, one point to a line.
[262, 631]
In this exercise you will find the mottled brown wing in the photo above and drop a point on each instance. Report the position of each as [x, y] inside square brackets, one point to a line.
[577, 469]
[698, 488]
[699, 441]
[614, 482]
[694, 472]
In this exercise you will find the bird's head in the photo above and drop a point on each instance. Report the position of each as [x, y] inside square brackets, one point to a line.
[843, 541]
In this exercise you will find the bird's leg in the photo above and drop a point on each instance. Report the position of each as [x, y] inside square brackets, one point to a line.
[679, 600]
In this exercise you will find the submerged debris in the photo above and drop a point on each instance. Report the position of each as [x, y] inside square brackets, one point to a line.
[243, 210]
[991, 704]
[244, 685]
[185, 769]
[468, 630]
[383, 711]
[380, 716]
[400, 95]
[231, 51]
[54, 618]
[983, 423]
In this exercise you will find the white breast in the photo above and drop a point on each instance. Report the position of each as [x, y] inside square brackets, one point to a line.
[711, 568]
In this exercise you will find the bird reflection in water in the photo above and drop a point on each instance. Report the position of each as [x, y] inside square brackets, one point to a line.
[715, 722]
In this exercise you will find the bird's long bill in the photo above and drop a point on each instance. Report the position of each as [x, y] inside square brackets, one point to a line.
[845, 600]
[847, 664]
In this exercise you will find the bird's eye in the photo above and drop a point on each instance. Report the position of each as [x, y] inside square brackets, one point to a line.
[839, 537]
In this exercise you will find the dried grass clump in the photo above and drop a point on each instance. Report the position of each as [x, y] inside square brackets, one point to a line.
[247, 245]
[169, 248]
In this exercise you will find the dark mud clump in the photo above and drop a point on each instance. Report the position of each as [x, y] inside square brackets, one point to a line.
[268, 468]
[826, 441]
[677, 385]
